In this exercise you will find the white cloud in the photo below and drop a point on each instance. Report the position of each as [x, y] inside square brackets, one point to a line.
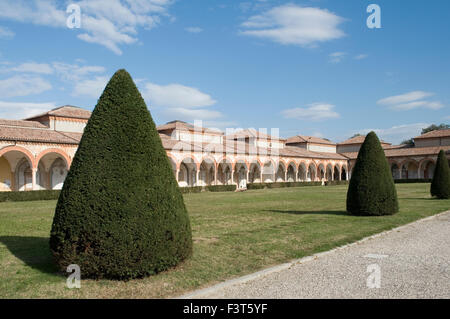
[32, 67]
[187, 114]
[292, 24]
[411, 100]
[75, 72]
[5, 33]
[337, 57]
[90, 87]
[19, 85]
[18, 110]
[176, 95]
[110, 23]
[194, 29]
[361, 56]
[314, 112]
[399, 133]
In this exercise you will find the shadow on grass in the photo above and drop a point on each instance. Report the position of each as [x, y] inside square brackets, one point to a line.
[312, 212]
[33, 251]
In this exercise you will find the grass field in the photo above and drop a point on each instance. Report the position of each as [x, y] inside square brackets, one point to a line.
[234, 234]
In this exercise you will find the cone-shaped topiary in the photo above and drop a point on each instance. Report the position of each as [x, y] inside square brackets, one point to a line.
[440, 186]
[120, 214]
[371, 190]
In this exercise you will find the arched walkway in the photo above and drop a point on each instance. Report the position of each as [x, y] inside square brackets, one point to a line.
[187, 175]
[302, 173]
[207, 172]
[224, 172]
[53, 168]
[240, 174]
[291, 173]
[254, 175]
[281, 173]
[268, 172]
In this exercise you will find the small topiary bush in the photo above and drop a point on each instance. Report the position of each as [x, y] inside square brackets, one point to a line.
[120, 214]
[371, 191]
[440, 185]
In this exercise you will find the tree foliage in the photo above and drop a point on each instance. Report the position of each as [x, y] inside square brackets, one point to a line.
[120, 214]
[371, 190]
[440, 185]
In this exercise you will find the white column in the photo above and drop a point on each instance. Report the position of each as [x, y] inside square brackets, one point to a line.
[33, 178]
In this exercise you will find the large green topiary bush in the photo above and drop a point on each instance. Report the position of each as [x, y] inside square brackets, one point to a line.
[371, 190]
[440, 186]
[120, 214]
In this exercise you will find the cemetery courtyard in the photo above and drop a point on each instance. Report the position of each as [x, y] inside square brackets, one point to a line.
[234, 234]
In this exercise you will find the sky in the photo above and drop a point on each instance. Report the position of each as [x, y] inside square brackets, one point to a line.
[303, 67]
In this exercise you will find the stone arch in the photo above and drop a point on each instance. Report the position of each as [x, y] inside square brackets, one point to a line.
[268, 171]
[254, 175]
[312, 172]
[344, 173]
[336, 173]
[329, 172]
[409, 169]
[58, 151]
[281, 172]
[426, 168]
[225, 171]
[302, 172]
[321, 171]
[187, 174]
[291, 173]
[241, 169]
[26, 153]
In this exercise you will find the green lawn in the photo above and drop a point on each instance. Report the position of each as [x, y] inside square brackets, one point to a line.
[234, 234]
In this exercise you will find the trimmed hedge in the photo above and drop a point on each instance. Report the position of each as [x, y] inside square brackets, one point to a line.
[211, 188]
[440, 186]
[281, 185]
[120, 214]
[412, 180]
[335, 183]
[29, 195]
[372, 191]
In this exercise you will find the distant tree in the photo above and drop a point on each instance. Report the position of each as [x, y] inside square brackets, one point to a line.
[440, 186]
[434, 127]
[120, 214]
[408, 142]
[356, 135]
[372, 191]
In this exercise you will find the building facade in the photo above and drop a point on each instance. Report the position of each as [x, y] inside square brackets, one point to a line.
[36, 153]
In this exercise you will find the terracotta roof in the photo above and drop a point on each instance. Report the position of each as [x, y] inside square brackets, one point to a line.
[407, 151]
[308, 139]
[253, 133]
[180, 125]
[358, 140]
[434, 134]
[21, 123]
[66, 111]
[35, 135]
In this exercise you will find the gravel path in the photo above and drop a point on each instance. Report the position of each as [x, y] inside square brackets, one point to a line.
[413, 260]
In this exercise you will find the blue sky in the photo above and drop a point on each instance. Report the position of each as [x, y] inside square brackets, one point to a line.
[305, 67]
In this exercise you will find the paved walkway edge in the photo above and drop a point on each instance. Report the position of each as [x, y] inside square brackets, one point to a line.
[240, 280]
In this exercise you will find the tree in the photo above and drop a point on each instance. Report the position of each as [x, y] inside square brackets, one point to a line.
[120, 214]
[356, 135]
[409, 142]
[434, 127]
[371, 190]
[440, 186]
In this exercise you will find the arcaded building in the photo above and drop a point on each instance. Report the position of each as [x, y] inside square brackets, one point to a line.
[36, 153]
